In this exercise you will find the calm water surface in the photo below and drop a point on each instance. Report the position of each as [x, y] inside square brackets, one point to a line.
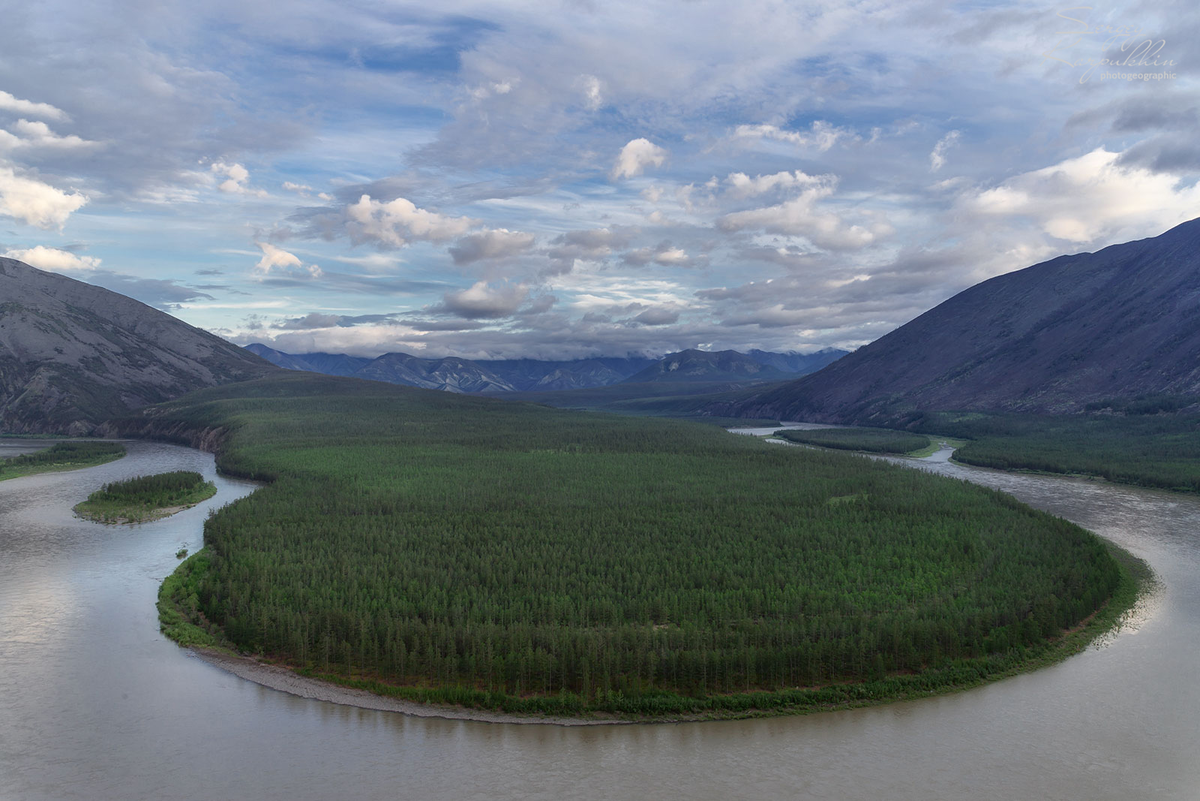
[96, 704]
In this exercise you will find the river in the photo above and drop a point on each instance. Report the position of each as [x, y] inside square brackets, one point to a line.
[96, 704]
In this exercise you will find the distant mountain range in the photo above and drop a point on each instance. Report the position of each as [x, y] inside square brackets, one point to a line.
[1092, 330]
[73, 355]
[453, 374]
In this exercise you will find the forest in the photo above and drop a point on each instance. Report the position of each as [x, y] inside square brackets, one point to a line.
[502, 554]
[145, 497]
[61, 456]
[1141, 443]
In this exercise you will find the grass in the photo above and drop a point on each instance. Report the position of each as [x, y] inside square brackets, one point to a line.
[146, 498]
[59, 457]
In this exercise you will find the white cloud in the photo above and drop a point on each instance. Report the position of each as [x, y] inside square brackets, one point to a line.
[236, 179]
[45, 110]
[38, 135]
[300, 189]
[34, 202]
[495, 243]
[278, 259]
[636, 156]
[396, 222]
[53, 259]
[593, 92]
[745, 186]
[821, 135]
[801, 216]
[937, 158]
[1090, 199]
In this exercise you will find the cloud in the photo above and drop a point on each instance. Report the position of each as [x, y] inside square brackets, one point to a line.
[657, 317]
[34, 202]
[745, 186]
[495, 243]
[821, 135]
[278, 259]
[38, 135]
[309, 321]
[397, 222]
[1088, 199]
[236, 178]
[44, 110]
[663, 253]
[1177, 153]
[162, 294]
[635, 157]
[593, 92]
[800, 216]
[53, 259]
[481, 301]
[937, 158]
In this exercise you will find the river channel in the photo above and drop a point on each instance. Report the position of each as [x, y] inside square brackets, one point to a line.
[96, 704]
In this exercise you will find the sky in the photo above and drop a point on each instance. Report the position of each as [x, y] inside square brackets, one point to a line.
[565, 180]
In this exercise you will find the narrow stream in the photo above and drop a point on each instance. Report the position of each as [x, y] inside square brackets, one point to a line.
[96, 704]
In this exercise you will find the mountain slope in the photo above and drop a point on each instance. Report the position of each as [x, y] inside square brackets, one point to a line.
[73, 355]
[450, 374]
[1117, 324]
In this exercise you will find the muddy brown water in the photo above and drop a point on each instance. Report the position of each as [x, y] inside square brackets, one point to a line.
[96, 704]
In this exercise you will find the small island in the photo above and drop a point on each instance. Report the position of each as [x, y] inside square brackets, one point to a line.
[146, 498]
[61, 456]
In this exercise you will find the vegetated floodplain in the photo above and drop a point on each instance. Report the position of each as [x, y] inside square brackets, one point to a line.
[507, 556]
[868, 440]
[1151, 449]
[145, 498]
[62, 456]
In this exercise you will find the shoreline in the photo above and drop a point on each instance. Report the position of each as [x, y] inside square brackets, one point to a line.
[285, 680]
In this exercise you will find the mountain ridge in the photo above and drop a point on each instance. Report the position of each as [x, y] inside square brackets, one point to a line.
[498, 376]
[73, 355]
[1120, 323]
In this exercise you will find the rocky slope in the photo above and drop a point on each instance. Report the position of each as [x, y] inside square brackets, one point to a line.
[1088, 329]
[73, 355]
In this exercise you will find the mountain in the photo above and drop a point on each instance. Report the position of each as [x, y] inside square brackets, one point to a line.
[327, 363]
[335, 363]
[798, 363]
[1092, 328]
[700, 365]
[73, 355]
[536, 375]
[451, 374]
[280, 359]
